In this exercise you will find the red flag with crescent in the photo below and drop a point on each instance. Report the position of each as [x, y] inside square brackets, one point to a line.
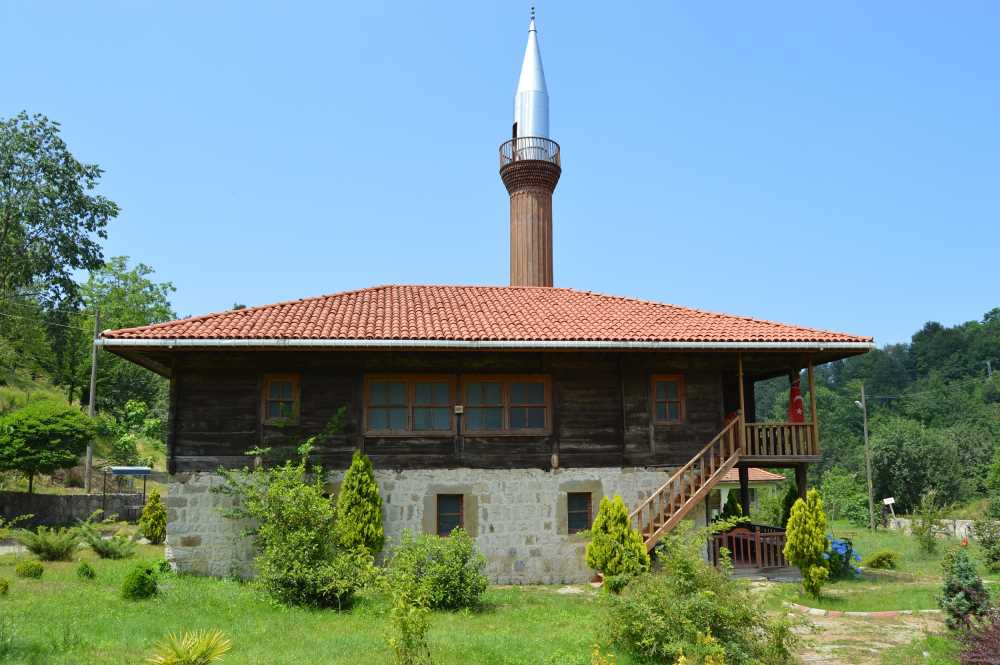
[796, 407]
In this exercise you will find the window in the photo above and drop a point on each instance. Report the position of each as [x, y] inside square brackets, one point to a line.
[507, 405]
[450, 513]
[668, 398]
[579, 511]
[280, 398]
[409, 404]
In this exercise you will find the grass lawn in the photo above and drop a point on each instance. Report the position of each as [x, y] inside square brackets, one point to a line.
[62, 620]
[931, 650]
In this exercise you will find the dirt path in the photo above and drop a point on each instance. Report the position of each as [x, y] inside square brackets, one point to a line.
[860, 641]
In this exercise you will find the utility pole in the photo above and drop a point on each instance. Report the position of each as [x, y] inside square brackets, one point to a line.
[989, 369]
[868, 460]
[93, 394]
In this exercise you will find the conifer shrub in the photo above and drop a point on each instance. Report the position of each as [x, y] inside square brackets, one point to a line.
[115, 547]
[964, 599]
[690, 612]
[29, 569]
[4, 586]
[50, 544]
[616, 549]
[359, 508]
[446, 573]
[153, 523]
[791, 496]
[140, 583]
[85, 571]
[806, 543]
[882, 560]
[732, 507]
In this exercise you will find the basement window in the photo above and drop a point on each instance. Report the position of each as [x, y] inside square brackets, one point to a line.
[507, 404]
[280, 398]
[667, 391]
[450, 513]
[401, 405]
[579, 511]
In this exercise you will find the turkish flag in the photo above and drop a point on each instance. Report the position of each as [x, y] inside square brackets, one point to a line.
[796, 407]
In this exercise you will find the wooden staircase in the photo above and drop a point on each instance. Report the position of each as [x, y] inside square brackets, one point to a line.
[689, 485]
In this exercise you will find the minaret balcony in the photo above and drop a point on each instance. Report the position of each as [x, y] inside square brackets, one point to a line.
[525, 148]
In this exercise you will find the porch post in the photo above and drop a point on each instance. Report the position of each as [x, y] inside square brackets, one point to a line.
[800, 479]
[812, 409]
[742, 415]
[745, 490]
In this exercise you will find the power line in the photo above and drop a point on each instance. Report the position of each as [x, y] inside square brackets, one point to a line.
[46, 323]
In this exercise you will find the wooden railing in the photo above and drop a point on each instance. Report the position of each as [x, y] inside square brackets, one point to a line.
[688, 485]
[780, 440]
[751, 546]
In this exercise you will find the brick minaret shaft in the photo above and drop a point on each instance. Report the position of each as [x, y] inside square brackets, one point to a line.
[530, 183]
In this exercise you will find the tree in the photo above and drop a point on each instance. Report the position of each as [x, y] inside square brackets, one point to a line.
[50, 221]
[616, 549]
[908, 459]
[841, 492]
[42, 437]
[732, 508]
[806, 542]
[153, 523]
[791, 496]
[964, 598]
[359, 508]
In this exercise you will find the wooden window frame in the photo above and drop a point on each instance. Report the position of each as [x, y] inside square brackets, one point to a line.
[265, 397]
[437, 512]
[590, 511]
[505, 380]
[410, 380]
[681, 398]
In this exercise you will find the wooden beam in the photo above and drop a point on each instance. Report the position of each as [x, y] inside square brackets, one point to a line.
[812, 407]
[745, 490]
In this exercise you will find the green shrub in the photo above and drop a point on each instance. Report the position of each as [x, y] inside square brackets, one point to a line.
[447, 573]
[140, 583]
[85, 571]
[197, 648]
[298, 562]
[29, 569]
[616, 549]
[987, 533]
[153, 523]
[882, 560]
[42, 437]
[4, 586]
[691, 610]
[116, 547]
[732, 507]
[964, 598]
[926, 522]
[842, 559]
[806, 542]
[59, 544]
[409, 621]
[359, 508]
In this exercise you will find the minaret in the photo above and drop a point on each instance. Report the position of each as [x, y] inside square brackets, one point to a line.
[530, 168]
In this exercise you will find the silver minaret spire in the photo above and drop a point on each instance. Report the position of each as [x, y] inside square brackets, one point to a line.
[531, 101]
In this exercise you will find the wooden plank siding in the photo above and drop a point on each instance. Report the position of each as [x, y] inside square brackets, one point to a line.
[601, 408]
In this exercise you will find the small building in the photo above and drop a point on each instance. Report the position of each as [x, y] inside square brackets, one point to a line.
[757, 480]
[508, 410]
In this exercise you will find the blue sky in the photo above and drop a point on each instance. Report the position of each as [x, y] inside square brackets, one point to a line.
[830, 165]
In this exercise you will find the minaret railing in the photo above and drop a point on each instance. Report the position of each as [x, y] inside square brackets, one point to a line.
[526, 148]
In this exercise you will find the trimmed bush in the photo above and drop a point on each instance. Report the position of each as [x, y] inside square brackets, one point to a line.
[140, 583]
[153, 523]
[42, 437]
[691, 612]
[116, 547]
[85, 571]
[806, 542]
[964, 598]
[4, 586]
[359, 508]
[59, 544]
[196, 648]
[882, 560]
[29, 569]
[446, 573]
[616, 549]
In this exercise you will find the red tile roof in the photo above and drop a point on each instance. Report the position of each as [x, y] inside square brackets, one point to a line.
[756, 476]
[479, 314]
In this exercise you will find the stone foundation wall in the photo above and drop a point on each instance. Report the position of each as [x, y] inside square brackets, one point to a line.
[517, 516]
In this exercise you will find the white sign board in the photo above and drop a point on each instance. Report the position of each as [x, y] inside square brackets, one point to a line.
[888, 501]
